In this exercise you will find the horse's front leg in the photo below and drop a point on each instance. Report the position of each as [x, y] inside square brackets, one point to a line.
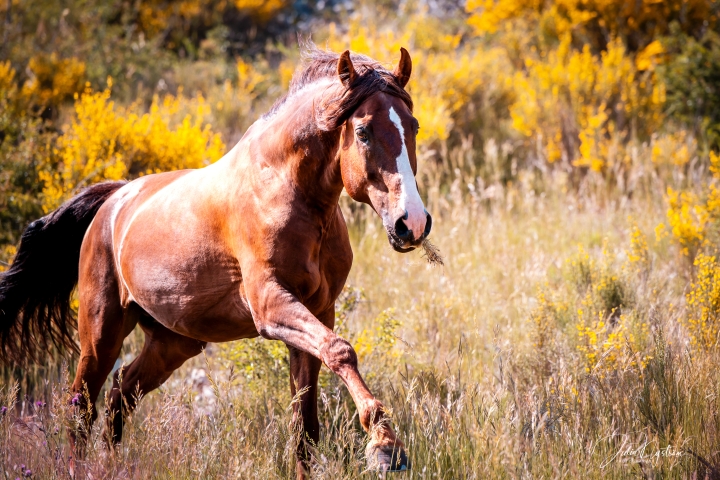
[279, 315]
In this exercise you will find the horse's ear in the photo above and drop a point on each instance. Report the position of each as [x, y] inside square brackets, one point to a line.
[346, 71]
[404, 68]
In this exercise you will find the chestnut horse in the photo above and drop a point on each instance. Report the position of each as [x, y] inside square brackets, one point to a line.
[254, 244]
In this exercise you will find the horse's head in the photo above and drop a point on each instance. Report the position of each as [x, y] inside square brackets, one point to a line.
[377, 155]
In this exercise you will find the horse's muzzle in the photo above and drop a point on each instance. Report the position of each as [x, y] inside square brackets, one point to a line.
[402, 238]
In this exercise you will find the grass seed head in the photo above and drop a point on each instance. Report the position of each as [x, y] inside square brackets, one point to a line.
[432, 254]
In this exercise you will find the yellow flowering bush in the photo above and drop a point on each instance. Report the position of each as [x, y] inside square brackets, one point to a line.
[86, 153]
[600, 345]
[688, 218]
[258, 360]
[581, 269]
[694, 213]
[53, 80]
[7, 81]
[607, 346]
[543, 320]
[12, 108]
[171, 136]
[577, 104]
[381, 339]
[594, 20]
[7, 253]
[639, 253]
[546, 322]
[581, 95]
[694, 219]
[593, 311]
[674, 150]
[703, 300]
[105, 142]
[609, 334]
[156, 16]
[262, 10]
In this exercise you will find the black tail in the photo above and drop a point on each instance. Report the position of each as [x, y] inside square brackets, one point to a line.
[35, 292]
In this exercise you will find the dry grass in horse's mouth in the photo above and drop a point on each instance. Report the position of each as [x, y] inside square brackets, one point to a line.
[432, 254]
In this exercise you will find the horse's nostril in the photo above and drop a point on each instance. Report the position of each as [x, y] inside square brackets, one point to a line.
[428, 224]
[401, 230]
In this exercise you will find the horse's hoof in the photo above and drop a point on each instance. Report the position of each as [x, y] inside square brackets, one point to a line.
[387, 458]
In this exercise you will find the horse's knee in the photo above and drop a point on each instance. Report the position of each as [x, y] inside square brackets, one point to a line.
[338, 354]
[267, 330]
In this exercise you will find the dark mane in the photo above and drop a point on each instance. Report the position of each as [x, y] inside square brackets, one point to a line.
[337, 106]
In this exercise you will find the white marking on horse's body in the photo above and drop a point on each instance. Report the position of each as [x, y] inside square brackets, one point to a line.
[129, 223]
[410, 200]
[133, 188]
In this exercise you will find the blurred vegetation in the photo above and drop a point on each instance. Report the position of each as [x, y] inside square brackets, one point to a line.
[569, 151]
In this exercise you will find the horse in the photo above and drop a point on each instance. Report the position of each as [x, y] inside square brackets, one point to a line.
[253, 244]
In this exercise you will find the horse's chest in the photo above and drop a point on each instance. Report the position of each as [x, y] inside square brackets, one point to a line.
[334, 262]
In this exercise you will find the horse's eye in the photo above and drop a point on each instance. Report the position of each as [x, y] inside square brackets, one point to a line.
[361, 135]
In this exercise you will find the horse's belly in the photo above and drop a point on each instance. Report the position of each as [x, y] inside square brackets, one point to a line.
[197, 298]
[207, 317]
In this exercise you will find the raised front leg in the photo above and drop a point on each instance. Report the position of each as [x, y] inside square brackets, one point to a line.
[279, 315]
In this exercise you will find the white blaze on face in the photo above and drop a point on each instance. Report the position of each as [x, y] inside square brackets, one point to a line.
[410, 200]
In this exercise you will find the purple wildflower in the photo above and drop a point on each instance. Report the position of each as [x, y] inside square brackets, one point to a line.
[3, 410]
[40, 404]
[28, 473]
[76, 399]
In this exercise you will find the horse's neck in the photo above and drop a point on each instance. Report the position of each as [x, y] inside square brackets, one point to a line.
[306, 153]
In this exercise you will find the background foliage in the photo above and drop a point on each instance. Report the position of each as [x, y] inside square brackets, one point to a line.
[569, 151]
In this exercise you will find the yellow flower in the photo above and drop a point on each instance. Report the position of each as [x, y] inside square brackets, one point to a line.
[703, 299]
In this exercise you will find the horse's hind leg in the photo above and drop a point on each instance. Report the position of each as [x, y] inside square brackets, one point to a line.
[163, 353]
[102, 326]
[304, 371]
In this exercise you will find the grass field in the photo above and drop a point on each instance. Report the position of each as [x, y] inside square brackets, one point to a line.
[552, 344]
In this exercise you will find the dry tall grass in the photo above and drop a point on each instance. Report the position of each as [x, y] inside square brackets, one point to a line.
[551, 344]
